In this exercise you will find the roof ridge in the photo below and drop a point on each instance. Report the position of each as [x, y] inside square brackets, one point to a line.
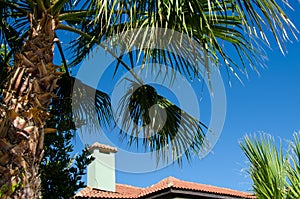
[103, 147]
[132, 186]
[198, 183]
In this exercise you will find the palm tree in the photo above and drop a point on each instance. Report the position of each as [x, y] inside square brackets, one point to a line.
[29, 31]
[275, 174]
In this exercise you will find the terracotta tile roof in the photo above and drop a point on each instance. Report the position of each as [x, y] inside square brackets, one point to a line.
[122, 191]
[103, 148]
[126, 191]
[175, 183]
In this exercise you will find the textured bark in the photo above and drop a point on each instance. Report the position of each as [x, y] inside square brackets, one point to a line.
[24, 113]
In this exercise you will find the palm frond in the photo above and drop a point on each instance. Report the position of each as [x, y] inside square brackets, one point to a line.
[96, 17]
[12, 33]
[79, 106]
[90, 107]
[267, 15]
[11, 38]
[163, 128]
[211, 24]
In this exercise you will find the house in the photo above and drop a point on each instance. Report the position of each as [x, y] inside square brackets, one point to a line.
[101, 183]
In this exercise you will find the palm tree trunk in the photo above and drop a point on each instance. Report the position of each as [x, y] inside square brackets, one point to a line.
[24, 112]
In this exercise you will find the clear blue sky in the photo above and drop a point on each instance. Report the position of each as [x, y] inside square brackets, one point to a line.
[266, 103]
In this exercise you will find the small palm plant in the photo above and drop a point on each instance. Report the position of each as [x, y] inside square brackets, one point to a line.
[275, 174]
[294, 168]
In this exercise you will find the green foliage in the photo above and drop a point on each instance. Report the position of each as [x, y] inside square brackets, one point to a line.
[275, 174]
[61, 173]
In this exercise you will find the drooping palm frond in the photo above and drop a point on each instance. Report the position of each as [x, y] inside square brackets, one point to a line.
[268, 166]
[161, 126]
[89, 107]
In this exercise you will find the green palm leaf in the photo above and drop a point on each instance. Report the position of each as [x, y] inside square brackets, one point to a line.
[88, 106]
[161, 126]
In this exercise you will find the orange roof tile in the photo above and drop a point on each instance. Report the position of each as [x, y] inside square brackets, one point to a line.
[126, 191]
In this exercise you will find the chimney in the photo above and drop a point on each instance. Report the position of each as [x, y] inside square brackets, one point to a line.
[101, 172]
